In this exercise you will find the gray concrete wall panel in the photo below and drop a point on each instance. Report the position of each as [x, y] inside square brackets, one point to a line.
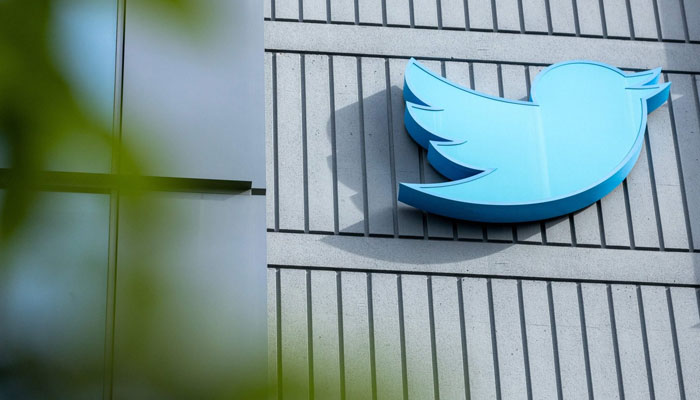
[661, 340]
[287, 9]
[405, 152]
[349, 147]
[571, 350]
[513, 370]
[357, 362]
[370, 12]
[270, 126]
[535, 327]
[543, 361]
[613, 209]
[417, 316]
[453, 14]
[508, 15]
[343, 11]
[480, 15]
[686, 115]
[643, 19]
[325, 334]
[381, 185]
[671, 20]
[447, 44]
[480, 339]
[388, 332]
[642, 204]
[425, 13]
[398, 12]
[354, 252]
[631, 339]
[535, 16]
[272, 329]
[665, 174]
[589, 17]
[692, 15]
[595, 18]
[586, 226]
[319, 145]
[315, 10]
[290, 151]
[293, 332]
[686, 319]
[562, 16]
[602, 347]
[617, 18]
[267, 11]
[450, 342]
[601, 303]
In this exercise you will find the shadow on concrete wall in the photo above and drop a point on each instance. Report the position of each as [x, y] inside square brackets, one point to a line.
[385, 215]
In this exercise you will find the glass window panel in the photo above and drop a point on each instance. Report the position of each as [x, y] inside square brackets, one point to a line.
[83, 36]
[53, 279]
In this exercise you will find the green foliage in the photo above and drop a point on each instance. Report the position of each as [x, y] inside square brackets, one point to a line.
[46, 124]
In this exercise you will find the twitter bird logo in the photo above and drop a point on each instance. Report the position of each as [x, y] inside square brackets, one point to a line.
[513, 161]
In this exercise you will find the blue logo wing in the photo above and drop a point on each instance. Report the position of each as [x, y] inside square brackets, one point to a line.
[465, 132]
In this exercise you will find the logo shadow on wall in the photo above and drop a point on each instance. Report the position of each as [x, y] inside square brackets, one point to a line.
[373, 131]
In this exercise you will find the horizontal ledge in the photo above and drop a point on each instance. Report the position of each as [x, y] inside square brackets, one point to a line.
[478, 46]
[85, 182]
[482, 259]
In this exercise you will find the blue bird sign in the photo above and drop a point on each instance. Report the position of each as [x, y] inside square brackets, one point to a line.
[514, 161]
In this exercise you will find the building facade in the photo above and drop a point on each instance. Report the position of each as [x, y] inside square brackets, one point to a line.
[369, 298]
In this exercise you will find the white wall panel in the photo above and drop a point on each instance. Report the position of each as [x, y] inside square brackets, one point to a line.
[538, 324]
[616, 18]
[662, 354]
[356, 345]
[370, 11]
[348, 139]
[535, 16]
[571, 350]
[480, 15]
[686, 312]
[631, 342]
[508, 15]
[319, 145]
[668, 189]
[453, 14]
[589, 17]
[419, 349]
[406, 153]
[343, 11]
[509, 336]
[643, 19]
[450, 341]
[289, 143]
[381, 192]
[315, 10]
[388, 336]
[478, 331]
[294, 332]
[601, 346]
[325, 334]
[425, 13]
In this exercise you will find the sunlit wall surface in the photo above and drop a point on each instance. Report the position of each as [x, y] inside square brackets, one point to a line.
[371, 298]
[115, 290]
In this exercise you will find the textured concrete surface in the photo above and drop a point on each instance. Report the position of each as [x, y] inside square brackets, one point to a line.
[371, 296]
[475, 258]
[478, 46]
